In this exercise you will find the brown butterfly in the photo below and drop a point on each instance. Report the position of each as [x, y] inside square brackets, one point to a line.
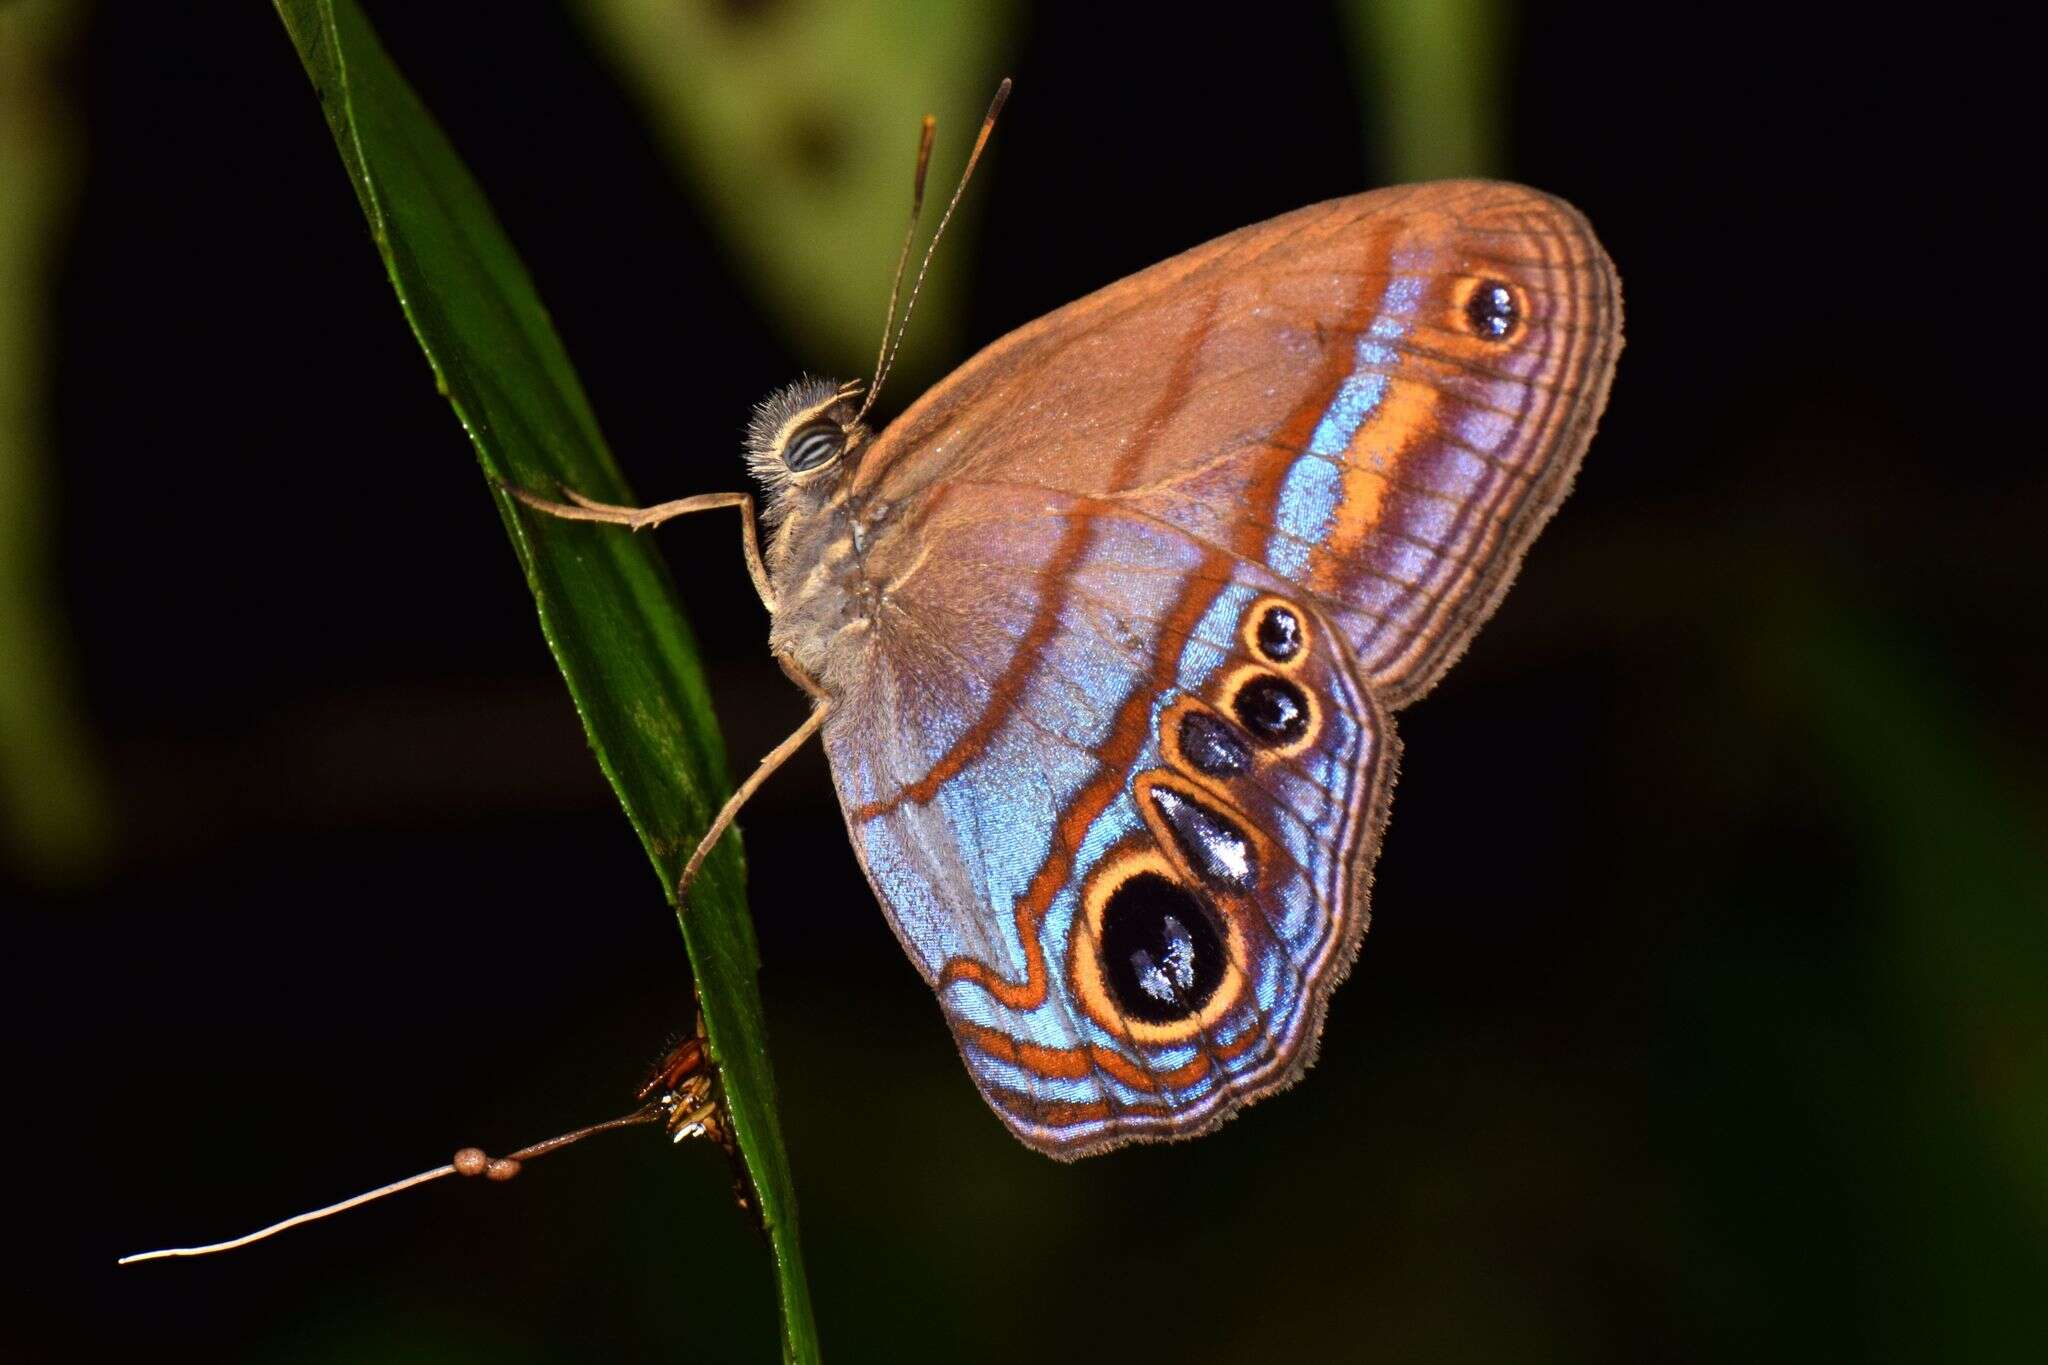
[1107, 632]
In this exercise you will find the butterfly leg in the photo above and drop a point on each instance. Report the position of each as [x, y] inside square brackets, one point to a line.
[580, 508]
[775, 759]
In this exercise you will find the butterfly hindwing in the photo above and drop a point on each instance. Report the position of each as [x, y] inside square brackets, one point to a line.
[1164, 821]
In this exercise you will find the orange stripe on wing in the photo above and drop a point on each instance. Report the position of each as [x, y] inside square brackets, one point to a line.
[1075, 1063]
[1127, 735]
[1405, 416]
[1126, 732]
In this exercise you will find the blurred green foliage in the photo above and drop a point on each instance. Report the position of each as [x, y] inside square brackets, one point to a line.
[1923, 1101]
[1431, 76]
[54, 810]
[798, 124]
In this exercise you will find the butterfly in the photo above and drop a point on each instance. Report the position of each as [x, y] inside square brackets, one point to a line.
[1107, 632]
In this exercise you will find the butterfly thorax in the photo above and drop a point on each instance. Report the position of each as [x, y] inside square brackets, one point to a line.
[804, 445]
[822, 592]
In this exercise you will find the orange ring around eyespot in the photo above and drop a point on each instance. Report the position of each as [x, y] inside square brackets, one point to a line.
[1248, 632]
[1084, 965]
[1235, 681]
[1461, 301]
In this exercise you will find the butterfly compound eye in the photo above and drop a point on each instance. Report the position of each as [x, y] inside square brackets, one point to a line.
[812, 444]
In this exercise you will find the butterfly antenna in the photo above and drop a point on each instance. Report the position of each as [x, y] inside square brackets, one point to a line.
[469, 1161]
[892, 344]
[924, 164]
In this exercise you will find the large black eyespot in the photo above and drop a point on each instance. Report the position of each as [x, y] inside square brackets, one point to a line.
[1491, 310]
[1210, 840]
[1212, 747]
[1161, 953]
[814, 443]
[1273, 709]
[1279, 634]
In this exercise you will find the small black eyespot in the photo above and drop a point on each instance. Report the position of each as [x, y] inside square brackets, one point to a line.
[1161, 953]
[1273, 709]
[1279, 634]
[812, 444]
[1212, 747]
[1491, 310]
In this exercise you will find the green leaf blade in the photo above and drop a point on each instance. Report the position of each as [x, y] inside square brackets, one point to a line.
[607, 607]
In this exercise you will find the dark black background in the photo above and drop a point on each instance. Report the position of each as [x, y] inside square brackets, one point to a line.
[1697, 1016]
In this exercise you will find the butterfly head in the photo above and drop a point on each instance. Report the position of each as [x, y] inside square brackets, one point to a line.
[801, 436]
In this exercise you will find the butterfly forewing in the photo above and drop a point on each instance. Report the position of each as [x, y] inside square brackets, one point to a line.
[1380, 398]
[1144, 580]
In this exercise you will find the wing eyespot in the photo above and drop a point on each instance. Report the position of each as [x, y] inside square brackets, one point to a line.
[1207, 744]
[1162, 956]
[1211, 839]
[1278, 632]
[1159, 959]
[1276, 711]
[1493, 310]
